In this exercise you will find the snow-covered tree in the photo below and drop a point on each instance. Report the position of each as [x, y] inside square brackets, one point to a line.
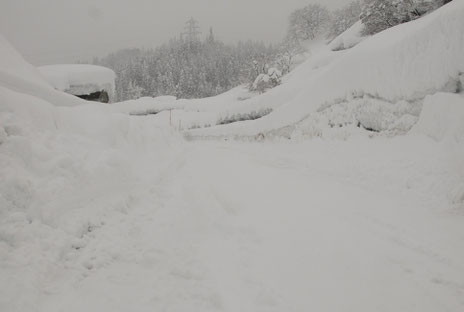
[308, 23]
[378, 15]
[288, 50]
[267, 81]
[134, 91]
[275, 76]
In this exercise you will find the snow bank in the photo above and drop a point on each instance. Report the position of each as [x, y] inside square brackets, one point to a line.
[51, 155]
[219, 103]
[80, 79]
[58, 166]
[404, 63]
[349, 38]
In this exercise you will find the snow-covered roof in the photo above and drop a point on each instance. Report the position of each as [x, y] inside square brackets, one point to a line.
[79, 79]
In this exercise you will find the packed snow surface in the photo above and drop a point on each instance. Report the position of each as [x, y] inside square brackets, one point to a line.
[108, 208]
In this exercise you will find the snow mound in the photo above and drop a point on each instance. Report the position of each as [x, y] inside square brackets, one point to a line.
[349, 38]
[404, 63]
[80, 79]
[442, 118]
[359, 116]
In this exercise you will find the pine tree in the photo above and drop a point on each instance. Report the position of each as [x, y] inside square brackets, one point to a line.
[210, 39]
[134, 91]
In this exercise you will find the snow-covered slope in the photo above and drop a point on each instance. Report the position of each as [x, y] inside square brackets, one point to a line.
[404, 63]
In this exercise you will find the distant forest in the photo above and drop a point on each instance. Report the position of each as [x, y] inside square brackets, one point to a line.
[188, 67]
[194, 67]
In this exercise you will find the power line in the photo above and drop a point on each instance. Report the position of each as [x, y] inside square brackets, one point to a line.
[191, 31]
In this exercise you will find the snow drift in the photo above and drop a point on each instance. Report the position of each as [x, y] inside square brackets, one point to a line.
[17, 74]
[442, 118]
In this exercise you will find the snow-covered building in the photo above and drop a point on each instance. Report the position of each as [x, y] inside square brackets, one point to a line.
[89, 82]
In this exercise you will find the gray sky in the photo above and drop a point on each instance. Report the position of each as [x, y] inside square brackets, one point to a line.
[57, 31]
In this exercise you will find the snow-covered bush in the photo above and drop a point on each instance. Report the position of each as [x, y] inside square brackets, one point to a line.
[365, 115]
[267, 81]
[242, 117]
[261, 83]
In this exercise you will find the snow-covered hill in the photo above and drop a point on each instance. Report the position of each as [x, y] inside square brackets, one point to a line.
[400, 66]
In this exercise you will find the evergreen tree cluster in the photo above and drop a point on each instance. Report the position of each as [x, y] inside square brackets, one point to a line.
[188, 67]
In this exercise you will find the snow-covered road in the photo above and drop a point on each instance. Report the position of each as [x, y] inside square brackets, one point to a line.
[318, 226]
[361, 210]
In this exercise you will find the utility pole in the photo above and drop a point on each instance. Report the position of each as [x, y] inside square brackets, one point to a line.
[191, 32]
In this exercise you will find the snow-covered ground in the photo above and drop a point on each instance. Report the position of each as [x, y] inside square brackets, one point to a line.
[359, 208]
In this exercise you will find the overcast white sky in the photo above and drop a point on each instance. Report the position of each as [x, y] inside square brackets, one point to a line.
[57, 31]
